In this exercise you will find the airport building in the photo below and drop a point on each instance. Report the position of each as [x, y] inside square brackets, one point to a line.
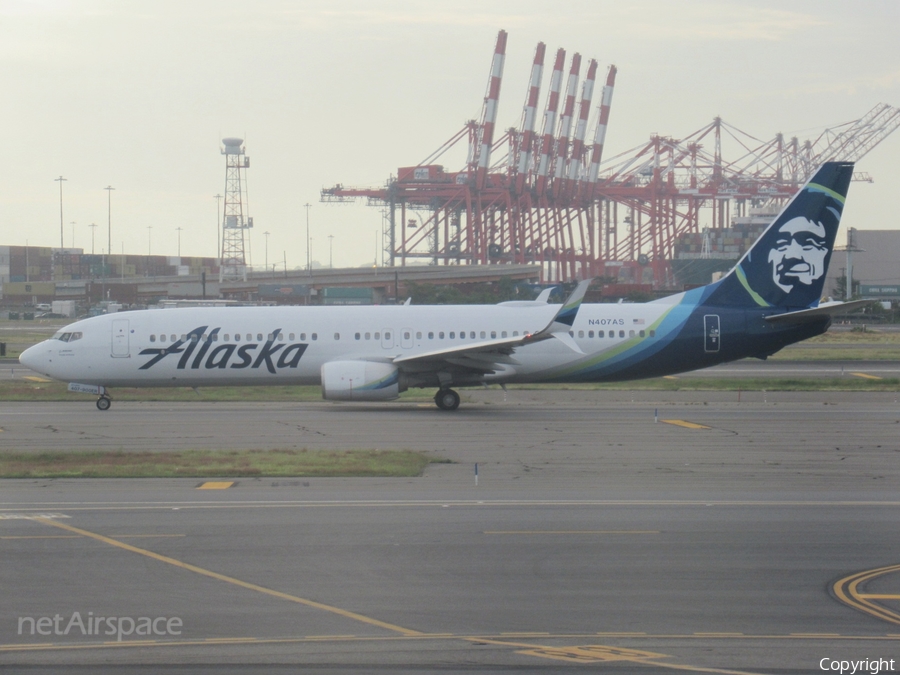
[874, 256]
[31, 276]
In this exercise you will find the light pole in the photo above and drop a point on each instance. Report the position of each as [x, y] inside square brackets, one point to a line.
[267, 250]
[331, 251]
[308, 259]
[179, 244]
[109, 189]
[60, 181]
[93, 227]
[73, 234]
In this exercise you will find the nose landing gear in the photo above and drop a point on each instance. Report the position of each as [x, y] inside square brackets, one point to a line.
[447, 399]
[104, 402]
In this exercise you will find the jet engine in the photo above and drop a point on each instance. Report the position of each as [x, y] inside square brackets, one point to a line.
[361, 381]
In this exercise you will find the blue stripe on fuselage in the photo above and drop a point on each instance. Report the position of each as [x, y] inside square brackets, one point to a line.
[637, 351]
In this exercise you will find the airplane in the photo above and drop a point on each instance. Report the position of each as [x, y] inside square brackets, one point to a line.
[770, 299]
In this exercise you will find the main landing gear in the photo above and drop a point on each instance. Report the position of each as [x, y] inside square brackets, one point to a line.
[447, 399]
[104, 402]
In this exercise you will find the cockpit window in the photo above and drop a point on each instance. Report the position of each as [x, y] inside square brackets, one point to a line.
[68, 337]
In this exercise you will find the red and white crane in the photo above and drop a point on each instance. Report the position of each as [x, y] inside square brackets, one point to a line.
[557, 204]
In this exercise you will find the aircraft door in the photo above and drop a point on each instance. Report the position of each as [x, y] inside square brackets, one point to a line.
[120, 338]
[711, 332]
[406, 338]
[387, 338]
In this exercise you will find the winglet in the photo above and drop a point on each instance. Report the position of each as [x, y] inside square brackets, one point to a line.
[565, 317]
[562, 323]
[545, 295]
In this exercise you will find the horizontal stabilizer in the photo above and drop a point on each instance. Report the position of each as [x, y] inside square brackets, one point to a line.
[825, 309]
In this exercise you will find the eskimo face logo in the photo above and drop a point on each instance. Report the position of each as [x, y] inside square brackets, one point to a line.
[200, 349]
[799, 253]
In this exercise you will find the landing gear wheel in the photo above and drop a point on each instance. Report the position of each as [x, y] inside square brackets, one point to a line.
[447, 399]
[103, 403]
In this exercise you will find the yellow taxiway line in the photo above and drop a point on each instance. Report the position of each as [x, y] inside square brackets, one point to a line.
[230, 580]
[685, 424]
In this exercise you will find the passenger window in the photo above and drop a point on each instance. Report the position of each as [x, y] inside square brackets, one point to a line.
[387, 335]
[270, 337]
[183, 337]
[452, 335]
[430, 335]
[641, 333]
[621, 333]
[194, 337]
[302, 336]
[590, 333]
[368, 336]
[66, 336]
[418, 335]
[493, 335]
[259, 337]
[226, 337]
[581, 333]
[281, 337]
[600, 333]
[503, 334]
[337, 336]
[406, 335]
[291, 337]
[515, 333]
[631, 333]
[441, 335]
[472, 335]
[356, 336]
[652, 333]
[483, 335]
[162, 338]
[377, 336]
[315, 336]
[237, 337]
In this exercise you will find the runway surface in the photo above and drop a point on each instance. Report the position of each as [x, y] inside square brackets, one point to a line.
[608, 532]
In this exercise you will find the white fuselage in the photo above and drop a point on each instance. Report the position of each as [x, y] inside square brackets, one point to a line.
[289, 345]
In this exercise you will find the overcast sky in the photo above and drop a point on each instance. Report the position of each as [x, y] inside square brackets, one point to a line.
[139, 94]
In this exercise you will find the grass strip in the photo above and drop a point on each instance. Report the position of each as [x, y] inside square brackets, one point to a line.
[216, 463]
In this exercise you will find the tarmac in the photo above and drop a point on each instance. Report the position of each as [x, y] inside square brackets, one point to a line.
[604, 531]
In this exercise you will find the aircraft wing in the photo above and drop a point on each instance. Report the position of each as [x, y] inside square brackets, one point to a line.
[825, 309]
[485, 355]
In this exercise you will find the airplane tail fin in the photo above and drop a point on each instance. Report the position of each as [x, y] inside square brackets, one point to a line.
[786, 266]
